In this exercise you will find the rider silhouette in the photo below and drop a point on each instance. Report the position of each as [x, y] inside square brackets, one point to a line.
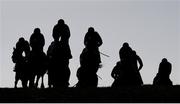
[62, 31]
[92, 42]
[125, 51]
[37, 40]
[92, 39]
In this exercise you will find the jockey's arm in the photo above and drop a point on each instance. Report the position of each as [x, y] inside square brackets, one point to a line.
[140, 62]
[99, 39]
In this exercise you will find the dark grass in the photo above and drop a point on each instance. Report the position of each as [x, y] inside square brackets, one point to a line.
[144, 94]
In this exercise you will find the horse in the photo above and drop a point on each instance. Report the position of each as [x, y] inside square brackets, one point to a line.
[86, 74]
[38, 65]
[58, 67]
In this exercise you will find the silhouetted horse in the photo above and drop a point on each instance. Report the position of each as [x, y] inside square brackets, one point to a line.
[38, 66]
[86, 74]
[20, 60]
[58, 69]
[121, 73]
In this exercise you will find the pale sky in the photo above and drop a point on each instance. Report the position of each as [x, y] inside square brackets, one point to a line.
[151, 27]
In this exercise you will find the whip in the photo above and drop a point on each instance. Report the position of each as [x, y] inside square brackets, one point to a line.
[104, 54]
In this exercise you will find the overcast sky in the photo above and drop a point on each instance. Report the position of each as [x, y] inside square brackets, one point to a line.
[151, 27]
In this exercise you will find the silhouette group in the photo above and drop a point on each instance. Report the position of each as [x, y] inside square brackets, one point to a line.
[32, 63]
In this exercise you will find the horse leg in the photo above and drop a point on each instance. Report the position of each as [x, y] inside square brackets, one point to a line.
[49, 82]
[42, 83]
[50, 79]
[16, 80]
[37, 80]
[31, 81]
[24, 83]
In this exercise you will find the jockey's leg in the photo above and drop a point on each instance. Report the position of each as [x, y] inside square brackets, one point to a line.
[37, 80]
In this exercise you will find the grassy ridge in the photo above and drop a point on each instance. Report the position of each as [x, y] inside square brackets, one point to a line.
[143, 94]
